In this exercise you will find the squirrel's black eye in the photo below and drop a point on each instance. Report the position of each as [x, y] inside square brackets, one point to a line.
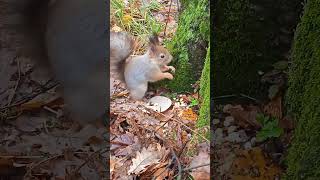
[162, 56]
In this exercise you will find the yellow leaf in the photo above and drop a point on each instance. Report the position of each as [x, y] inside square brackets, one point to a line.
[254, 165]
[188, 114]
[127, 19]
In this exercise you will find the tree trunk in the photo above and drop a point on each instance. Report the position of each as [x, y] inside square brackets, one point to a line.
[189, 44]
[249, 37]
[303, 96]
[204, 117]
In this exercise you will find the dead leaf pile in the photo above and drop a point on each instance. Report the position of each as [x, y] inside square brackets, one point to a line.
[145, 142]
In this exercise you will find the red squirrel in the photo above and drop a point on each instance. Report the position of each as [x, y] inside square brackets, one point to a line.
[138, 71]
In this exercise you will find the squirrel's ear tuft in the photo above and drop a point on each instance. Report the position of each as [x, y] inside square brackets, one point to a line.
[154, 40]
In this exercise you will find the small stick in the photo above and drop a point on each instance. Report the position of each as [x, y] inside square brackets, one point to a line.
[251, 98]
[195, 167]
[178, 163]
[180, 123]
[165, 27]
[41, 162]
[20, 157]
[89, 158]
[29, 97]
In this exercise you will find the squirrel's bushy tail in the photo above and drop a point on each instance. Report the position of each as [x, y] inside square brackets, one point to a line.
[121, 47]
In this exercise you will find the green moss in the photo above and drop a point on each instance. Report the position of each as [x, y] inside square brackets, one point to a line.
[192, 32]
[204, 115]
[303, 96]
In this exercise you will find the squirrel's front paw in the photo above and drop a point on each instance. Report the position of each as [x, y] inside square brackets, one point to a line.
[169, 76]
[173, 70]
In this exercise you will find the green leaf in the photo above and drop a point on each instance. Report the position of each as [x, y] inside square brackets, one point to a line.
[194, 102]
[270, 128]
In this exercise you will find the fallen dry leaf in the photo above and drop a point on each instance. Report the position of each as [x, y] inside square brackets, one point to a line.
[253, 165]
[113, 163]
[245, 118]
[287, 123]
[201, 173]
[162, 173]
[45, 99]
[274, 108]
[28, 123]
[188, 114]
[144, 159]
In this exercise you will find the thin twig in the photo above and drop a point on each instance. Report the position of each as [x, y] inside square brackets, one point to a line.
[180, 123]
[224, 96]
[251, 98]
[162, 125]
[234, 95]
[20, 157]
[28, 173]
[195, 167]
[89, 158]
[184, 146]
[178, 163]
[178, 6]
[165, 27]
[30, 97]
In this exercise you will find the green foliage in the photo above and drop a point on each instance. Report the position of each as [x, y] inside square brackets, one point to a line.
[170, 95]
[139, 21]
[270, 128]
[303, 96]
[194, 102]
[193, 28]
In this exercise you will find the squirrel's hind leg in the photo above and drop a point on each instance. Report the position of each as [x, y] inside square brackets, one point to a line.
[138, 92]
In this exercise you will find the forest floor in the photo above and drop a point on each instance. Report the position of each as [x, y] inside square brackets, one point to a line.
[250, 138]
[153, 144]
